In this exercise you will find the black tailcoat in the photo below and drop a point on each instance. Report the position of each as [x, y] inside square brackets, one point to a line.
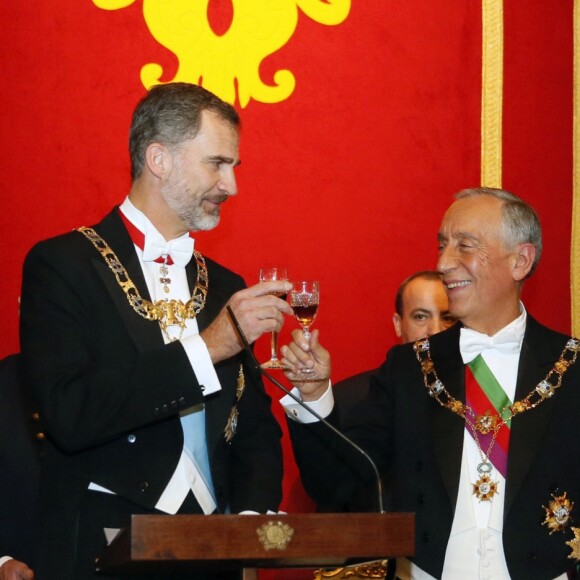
[408, 432]
[20, 454]
[109, 390]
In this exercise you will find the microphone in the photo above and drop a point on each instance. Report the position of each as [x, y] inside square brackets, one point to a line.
[280, 386]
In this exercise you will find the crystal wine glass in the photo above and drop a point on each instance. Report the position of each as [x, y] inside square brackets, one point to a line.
[266, 275]
[304, 299]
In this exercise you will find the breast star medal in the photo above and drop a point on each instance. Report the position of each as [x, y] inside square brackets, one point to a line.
[575, 545]
[558, 513]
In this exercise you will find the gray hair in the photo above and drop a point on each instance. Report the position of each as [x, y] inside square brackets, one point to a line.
[169, 114]
[521, 223]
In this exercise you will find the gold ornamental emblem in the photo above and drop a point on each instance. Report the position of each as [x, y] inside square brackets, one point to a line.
[486, 423]
[241, 383]
[232, 425]
[371, 570]
[457, 407]
[519, 407]
[575, 545]
[228, 60]
[558, 513]
[275, 535]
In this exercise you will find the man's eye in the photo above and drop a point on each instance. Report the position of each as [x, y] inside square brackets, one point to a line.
[420, 317]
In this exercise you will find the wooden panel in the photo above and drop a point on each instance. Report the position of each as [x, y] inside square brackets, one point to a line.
[174, 543]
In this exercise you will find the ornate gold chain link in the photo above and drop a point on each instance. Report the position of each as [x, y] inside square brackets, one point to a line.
[166, 312]
[485, 487]
[542, 391]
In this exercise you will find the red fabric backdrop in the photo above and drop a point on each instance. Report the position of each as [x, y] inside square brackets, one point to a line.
[345, 181]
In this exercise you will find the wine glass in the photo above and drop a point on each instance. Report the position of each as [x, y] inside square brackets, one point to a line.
[304, 300]
[266, 275]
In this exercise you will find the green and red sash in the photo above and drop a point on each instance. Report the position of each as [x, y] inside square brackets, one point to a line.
[486, 397]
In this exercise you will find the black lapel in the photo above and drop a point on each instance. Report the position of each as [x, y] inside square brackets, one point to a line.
[447, 428]
[146, 334]
[541, 348]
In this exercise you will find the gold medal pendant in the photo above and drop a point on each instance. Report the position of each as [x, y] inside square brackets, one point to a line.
[484, 488]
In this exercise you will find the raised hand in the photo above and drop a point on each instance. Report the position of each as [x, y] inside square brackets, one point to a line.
[257, 309]
[307, 353]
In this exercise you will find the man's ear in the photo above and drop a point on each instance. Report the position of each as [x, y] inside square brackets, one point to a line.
[397, 324]
[158, 159]
[525, 255]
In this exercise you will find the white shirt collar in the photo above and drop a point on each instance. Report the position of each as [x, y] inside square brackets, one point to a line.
[140, 220]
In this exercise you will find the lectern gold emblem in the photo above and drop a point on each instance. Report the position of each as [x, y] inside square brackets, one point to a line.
[275, 535]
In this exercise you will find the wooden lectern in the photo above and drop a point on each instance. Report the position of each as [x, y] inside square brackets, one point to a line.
[169, 544]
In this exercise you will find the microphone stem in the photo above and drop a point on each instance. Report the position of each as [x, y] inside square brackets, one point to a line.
[286, 391]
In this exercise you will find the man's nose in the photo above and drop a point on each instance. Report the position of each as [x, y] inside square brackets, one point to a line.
[446, 260]
[228, 182]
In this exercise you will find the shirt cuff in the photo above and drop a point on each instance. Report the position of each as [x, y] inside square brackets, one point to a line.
[4, 559]
[322, 406]
[201, 364]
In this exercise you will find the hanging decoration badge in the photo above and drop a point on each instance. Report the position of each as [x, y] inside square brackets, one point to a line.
[484, 488]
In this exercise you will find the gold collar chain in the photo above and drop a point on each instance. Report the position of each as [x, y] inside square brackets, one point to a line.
[166, 312]
[485, 488]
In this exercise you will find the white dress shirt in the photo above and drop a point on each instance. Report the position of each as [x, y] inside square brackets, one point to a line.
[186, 475]
[475, 547]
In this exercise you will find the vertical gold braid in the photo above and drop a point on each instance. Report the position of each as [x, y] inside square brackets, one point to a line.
[492, 93]
[491, 128]
[575, 242]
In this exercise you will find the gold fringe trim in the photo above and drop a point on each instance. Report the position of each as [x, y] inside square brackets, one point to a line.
[492, 93]
[575, 239]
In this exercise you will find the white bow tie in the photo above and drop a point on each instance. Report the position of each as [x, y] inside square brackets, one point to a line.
[472, 343]
[179, 250]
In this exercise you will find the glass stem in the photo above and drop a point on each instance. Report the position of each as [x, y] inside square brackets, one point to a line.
[274, 346]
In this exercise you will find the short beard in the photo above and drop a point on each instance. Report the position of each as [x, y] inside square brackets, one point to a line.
[194, 217]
